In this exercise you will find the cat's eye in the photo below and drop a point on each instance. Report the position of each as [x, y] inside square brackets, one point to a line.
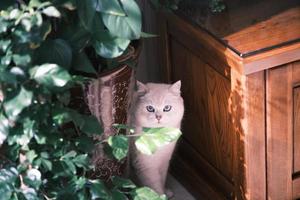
[167, 108]
[150, 109]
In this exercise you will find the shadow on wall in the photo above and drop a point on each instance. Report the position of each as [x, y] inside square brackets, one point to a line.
[149, 69]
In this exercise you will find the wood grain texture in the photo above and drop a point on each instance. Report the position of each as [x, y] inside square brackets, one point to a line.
[296, 142]
[223, 142]
[269, 59]
[220, 56]
[191, 71]
[255, 149]
[296, 132]
[198, 179]
[240, 131]
[279, 132]
[236, 108]
[207, 123]
[280, 28]
[203, 45]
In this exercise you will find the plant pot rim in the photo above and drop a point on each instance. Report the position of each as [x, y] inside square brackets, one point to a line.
[136, 45]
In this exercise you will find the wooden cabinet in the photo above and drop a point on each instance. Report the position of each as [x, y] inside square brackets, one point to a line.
[241, 86]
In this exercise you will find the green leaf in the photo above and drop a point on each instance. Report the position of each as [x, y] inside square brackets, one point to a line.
[6, 60]
[70, 154]
[77, 36]
[33, 178]
[30, 194]
[30, 156]
[24, 134]
[85, 143]
[153, 138]
[45, 29]
[21, 60]
[14, 106]
[4, 44]
[6, 191]
[60, 54]
[15, 13]
[111, 47]
[148, 35]
[82, 63]
[119, 182]
[81, 161]
[50, 75]
[119, 144]
[98, 190]
[7, 181]
[4, 128]
[6, 76]
[128, 27]
[91, 125]
[34, 3]
[64, 97]
[146, 193]
[51, 11]
[111, 7]
[63, 168]
[8, 175]
[117, 195]
[40, 138]
[70, 166]
[61, 115]
[87, 14]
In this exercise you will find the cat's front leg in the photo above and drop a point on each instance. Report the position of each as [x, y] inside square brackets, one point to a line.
[152, 177]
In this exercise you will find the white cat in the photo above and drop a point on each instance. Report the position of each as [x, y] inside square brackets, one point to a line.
[155, 105]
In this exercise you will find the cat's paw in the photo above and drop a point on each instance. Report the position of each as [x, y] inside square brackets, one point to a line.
[169, 193]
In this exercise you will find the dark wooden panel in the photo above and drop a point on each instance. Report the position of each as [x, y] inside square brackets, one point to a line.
[282, 131]
[296, 130]
[296, 124]
[191, 71]
[203, 45]
[198, 174]
[207, 124]
[220, 125]
[279, 133]
[296, 144]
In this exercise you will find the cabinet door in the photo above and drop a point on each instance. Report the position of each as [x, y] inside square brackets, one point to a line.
[283, 132]
[208, 137]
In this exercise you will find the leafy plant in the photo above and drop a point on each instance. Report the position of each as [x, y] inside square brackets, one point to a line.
[45, 145]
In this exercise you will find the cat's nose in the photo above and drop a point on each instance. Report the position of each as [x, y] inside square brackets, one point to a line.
[158, 117]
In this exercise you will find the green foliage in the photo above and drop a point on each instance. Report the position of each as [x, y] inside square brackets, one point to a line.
[50, 75]
[146, 194]
[47, 145]
[153, 138]
[13, 106]
[119, 145]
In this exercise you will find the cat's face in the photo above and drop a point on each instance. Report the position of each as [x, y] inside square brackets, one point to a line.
[159, 105]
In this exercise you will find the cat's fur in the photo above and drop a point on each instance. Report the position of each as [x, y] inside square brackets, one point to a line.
[151, 170]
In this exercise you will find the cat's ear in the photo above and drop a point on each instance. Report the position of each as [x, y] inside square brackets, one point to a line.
[175, 88]
[141, 88]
